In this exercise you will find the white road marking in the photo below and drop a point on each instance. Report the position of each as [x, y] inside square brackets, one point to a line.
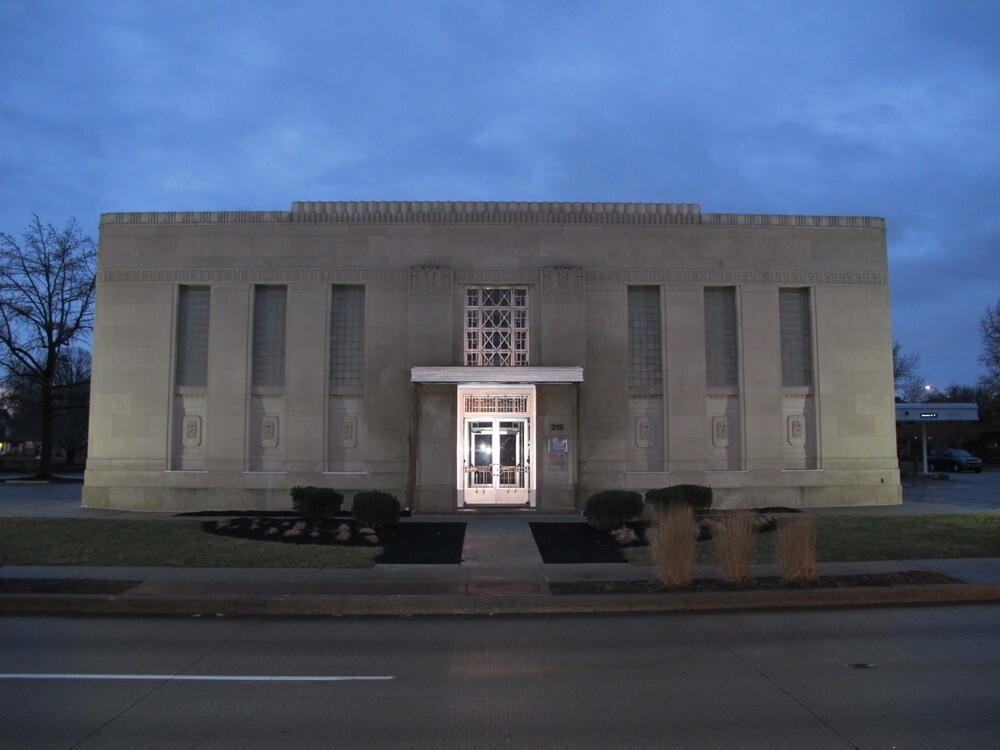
[199, 677]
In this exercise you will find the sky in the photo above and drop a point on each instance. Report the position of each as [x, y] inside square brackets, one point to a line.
[887, 109]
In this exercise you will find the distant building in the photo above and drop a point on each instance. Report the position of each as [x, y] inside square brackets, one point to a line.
[479, 354]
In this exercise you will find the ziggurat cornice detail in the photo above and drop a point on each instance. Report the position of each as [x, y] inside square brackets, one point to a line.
[488, 212]
[573, 283]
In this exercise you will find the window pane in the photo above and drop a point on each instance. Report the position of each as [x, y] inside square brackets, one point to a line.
[269, 336]
[721, 344]
[491, 317]
[796, 337]
[192, 336]
[347, 335]
[644, 347]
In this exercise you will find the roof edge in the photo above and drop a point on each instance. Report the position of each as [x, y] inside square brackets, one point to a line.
[379, 212]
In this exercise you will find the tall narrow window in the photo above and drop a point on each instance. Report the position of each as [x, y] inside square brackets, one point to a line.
[796, 337]
[192, 336]
[347, 331]
[496, 326]
[269, 336]
[645, 351]
[721, 342]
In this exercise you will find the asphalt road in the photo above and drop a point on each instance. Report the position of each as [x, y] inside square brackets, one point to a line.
[875, 678]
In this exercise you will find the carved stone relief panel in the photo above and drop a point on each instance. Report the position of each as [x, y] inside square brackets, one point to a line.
[187, 450]
[191, 431]
[269, 431]
[562, 281]
[430, 281]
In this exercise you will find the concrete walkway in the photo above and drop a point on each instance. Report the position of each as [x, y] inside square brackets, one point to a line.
[501, 573]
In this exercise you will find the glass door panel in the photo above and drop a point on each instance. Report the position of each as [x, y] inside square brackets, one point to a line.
[496, 469]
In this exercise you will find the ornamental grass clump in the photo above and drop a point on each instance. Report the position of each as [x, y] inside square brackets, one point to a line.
[672, 539]
[733, 536]
[795, 543]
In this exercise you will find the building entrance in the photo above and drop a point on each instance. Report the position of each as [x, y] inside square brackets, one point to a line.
[497, 450]
[497, 462]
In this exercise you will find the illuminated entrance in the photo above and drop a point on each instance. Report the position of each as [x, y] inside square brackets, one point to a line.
[497, 460]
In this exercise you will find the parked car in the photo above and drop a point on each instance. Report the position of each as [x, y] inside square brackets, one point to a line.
[953, 459]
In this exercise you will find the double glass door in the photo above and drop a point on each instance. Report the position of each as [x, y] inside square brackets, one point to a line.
[496, 461]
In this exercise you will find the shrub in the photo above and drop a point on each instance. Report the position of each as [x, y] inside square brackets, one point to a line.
[316, 503]
[672, 540]
[375, 509]
[796, 547]
[612, 508]
[733, 536]
[695, 496]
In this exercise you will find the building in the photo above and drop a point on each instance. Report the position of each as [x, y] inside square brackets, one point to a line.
[477, 354]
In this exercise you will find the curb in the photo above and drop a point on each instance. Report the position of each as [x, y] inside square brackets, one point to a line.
[537, 604]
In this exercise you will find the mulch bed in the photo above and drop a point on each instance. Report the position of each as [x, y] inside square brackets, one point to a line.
[64, 586]
[578, 543]
[417, 543]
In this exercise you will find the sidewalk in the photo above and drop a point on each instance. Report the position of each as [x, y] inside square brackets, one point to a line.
[501, 573]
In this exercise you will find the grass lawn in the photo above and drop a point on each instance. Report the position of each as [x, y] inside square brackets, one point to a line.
[850, 538]
[110, 542]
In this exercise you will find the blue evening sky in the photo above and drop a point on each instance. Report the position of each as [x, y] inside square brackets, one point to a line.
[887, 109]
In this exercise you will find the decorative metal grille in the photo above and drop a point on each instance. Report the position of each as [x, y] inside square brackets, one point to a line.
[796, 337]
[496, 326]
[192, 335]
[269, 336]
[644, 341]
[721, 341]
[495, 404]
[347, 336]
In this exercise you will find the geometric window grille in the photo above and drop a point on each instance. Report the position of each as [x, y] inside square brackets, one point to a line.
[347, 335]
[796, 337]
[269, 336]
[721, 344]
[192, 336]
[495, 404]
[644, 341]
[496, 326]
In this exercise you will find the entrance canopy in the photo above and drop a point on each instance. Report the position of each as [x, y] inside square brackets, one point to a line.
[496, 375]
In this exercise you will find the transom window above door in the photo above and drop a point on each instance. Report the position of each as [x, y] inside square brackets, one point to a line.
[496, 326]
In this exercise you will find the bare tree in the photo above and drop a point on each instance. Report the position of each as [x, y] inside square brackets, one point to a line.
[905, 375]
[46, 302]
[989, 326]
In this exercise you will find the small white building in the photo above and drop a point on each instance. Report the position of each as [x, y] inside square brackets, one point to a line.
[478, 354]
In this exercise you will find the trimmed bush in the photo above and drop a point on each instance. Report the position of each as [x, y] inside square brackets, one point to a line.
[695, 496]
[612, 508]
[316, 503]
[375, 509]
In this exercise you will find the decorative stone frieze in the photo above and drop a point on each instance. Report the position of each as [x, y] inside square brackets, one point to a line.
[252, 275]
[725, 277]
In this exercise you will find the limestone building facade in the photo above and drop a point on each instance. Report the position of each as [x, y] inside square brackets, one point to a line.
[470, 355]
